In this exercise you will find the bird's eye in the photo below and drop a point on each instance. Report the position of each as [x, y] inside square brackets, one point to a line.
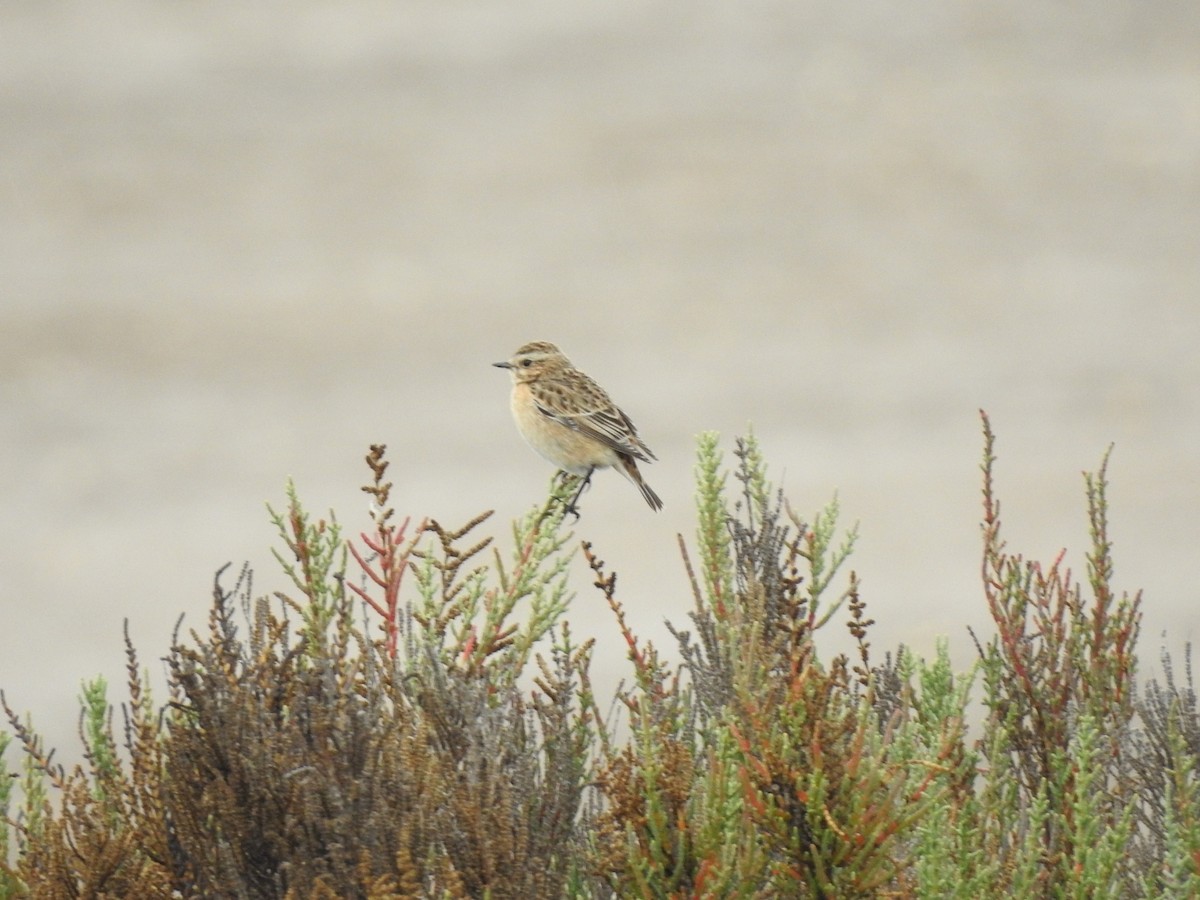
[527, 362]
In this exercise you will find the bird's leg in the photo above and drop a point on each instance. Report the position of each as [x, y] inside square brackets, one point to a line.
[583, 483]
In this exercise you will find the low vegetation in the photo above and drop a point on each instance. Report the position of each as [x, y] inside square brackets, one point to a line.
[415, 718]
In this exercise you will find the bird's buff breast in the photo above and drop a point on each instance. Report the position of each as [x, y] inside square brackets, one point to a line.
[564, 447]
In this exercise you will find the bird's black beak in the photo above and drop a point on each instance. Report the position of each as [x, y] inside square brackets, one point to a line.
[503, 365]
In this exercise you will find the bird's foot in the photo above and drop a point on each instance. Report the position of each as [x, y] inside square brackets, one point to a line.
[572, 509]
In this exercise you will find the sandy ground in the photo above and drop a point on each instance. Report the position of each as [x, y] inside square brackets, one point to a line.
[240, 242]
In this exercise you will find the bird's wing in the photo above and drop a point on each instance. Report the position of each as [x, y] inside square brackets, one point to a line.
[586, 408]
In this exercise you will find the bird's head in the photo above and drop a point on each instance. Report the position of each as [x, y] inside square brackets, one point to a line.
[533, 360]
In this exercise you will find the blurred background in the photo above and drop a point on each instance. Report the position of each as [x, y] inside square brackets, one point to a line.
[240, 242]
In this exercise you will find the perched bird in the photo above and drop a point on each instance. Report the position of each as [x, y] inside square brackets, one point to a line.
[571, 421]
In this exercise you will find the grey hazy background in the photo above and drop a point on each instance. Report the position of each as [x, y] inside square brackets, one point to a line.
[239, 242]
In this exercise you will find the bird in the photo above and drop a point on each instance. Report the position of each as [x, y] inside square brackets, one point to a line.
[571, 421]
